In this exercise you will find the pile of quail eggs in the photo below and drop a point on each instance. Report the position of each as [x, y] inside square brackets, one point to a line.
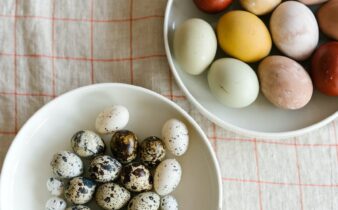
[134, 176]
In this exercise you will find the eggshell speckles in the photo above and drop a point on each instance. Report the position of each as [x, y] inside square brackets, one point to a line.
[111, 196]
[175, 136]
[111, 119]
[167, 177]
[56, 203]
[79, 207]
[124, 146]
[80, 190]
[66, 164]
[152, 151]
[169, 202]
[294, 30]
[86, 143]
[227, 79]
[55, 186]
[195, 45]
[328, 19]
[145, 201]
[284, 82]
[136, 178]
[104, 168]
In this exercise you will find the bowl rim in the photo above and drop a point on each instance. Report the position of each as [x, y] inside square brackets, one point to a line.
[19, 137]
[217, 120]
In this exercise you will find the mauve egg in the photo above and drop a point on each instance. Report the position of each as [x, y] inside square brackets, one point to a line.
[284, 82]
[294, 30]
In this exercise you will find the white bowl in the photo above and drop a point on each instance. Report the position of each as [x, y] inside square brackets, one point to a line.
[26, 168]
[261, 119]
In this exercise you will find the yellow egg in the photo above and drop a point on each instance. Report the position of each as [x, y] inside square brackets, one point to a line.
[244, 36]
[260, 7]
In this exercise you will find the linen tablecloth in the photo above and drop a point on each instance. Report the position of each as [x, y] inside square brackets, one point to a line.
[48, 47]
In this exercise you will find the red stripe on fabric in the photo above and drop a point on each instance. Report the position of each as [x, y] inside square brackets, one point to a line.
[53, 50]
[8, 133]
[335, 137]
[15, 72]
[258, 175]
[298, 176]
[131, 42]
[82, 20]
[278, 183]
[276, 143]
[85, 59]
[27, 94]
[92, 41]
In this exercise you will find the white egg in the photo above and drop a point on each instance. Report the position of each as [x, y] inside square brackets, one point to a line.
[167, 177]
[111, 119]
[56, 203]
[169, 202]
[195, 45]
[145, 201]
[175, 136]
[294, 30]
[233, 82]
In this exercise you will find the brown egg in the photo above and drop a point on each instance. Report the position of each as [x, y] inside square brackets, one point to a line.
[311, 2]
[284, 82]
[328, 19]
[124, 146]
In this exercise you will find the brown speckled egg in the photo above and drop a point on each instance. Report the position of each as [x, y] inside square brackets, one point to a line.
[152, 151]
[104, 168]
[124, 146]
[136, 178]
[80, 190]
[327, 17]
[111, 196]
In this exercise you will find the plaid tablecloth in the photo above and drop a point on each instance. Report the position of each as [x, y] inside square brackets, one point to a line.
[48, 47]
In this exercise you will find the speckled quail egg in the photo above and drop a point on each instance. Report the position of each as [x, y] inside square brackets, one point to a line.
[86, 143]
[104, 168]
[55, 186]
[169, 202]
[111, 119]
[145, 201]
[136, 177]
[111, 196]
[80, 190]
[167, 177]
[175, 136]
[66, 164]
[124, 146]
[79, 207]
[56, 203]
[152, 151]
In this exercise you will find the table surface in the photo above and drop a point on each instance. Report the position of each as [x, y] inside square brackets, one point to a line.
[49, 47]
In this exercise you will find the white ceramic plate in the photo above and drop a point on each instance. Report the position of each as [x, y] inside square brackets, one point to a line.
[26, 168]
[261, 119]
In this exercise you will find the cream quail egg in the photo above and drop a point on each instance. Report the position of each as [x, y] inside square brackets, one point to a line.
[86, 143]
[136, 177]
[145, 201]
[104, 168]
[169, 202]
[152, 151]
[80, 190]
[55, 186]
[111, 196]
[66, 164]
[79, 207]
[56, 203]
